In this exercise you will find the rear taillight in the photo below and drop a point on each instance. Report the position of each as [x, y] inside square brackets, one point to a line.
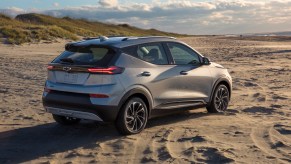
[109, 70]
[98, 96]
[50, 67]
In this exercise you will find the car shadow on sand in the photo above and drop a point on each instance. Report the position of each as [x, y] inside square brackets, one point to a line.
[28, 143]
[177, 117]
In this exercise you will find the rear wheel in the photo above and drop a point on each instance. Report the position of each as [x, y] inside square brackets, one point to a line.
[63, 120]
[219, 100]
[133, 117]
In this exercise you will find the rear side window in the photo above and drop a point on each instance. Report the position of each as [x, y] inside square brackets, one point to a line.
[152, 53]
[93, 56]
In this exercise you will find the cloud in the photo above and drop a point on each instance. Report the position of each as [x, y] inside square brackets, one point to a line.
[184, 4]
[12, 11]
[56, 4]
[108, 3]
[216, 17]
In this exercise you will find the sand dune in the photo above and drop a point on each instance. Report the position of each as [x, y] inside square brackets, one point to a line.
[255, 129]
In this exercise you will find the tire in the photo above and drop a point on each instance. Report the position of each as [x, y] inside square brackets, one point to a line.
[220, 100]
[63, 120]
[132, 117]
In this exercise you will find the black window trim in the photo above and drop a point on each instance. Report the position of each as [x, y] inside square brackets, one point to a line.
[169, 54]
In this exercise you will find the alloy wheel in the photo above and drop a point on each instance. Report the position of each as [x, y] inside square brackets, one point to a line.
[221, 99]
[135, 116]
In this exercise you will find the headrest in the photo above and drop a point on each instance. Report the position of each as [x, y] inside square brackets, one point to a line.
[154, 53]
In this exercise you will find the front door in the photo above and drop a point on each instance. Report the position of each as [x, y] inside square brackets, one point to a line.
[194, 79]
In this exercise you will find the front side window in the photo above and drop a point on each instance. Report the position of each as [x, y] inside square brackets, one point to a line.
[152, 53]
[182, 54]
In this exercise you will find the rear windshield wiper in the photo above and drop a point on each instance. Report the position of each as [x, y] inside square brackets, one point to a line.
[67, 60]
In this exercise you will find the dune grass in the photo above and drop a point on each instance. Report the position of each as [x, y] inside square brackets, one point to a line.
[19, 35]
[36, 27]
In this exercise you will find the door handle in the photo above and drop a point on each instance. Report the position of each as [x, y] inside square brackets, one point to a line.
[146, 73]
[184, 73]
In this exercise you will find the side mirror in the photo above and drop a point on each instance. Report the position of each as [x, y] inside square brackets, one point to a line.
[205, 61]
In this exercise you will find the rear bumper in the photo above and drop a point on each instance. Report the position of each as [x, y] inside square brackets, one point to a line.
[73, 113]
[77, 105]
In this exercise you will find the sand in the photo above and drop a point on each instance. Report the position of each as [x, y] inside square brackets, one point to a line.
[255, 129]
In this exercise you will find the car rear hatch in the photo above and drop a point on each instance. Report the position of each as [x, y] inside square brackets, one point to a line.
[76, 65]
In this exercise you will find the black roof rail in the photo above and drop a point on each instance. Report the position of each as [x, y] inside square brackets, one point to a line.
[148, 37]
[91, 38]
[103, 38]
[124, 39]
[115, 36]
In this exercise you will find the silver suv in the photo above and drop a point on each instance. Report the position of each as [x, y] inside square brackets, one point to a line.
[128, 80]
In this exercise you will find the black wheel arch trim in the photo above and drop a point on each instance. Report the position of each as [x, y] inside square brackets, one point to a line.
[138, 90]
[221, 79]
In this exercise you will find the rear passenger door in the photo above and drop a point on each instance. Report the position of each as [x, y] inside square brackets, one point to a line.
[194, 79]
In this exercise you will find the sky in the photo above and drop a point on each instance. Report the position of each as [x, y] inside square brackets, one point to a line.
[180, 16]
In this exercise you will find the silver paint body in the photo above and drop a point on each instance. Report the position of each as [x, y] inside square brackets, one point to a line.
[165, 85]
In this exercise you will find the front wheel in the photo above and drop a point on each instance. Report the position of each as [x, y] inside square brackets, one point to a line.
[133, 117]
[219, 100]
[63, 120]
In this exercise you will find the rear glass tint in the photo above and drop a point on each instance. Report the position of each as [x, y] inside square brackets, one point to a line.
[93, 56]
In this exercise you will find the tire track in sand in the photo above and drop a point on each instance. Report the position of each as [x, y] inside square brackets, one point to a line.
[271, 142]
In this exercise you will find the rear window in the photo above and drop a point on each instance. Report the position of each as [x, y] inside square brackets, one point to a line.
[96, 56]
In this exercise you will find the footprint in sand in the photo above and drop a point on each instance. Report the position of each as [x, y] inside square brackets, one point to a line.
[250, 84]
[164, 154]
[213, 155]
[192, 139]
[276, 106]
[3, 90]
[259, 110]
[277, 97]
[259, 97]
[283, 129]
[147, 159]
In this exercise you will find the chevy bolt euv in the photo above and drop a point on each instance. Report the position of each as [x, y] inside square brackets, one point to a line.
[128, 80]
